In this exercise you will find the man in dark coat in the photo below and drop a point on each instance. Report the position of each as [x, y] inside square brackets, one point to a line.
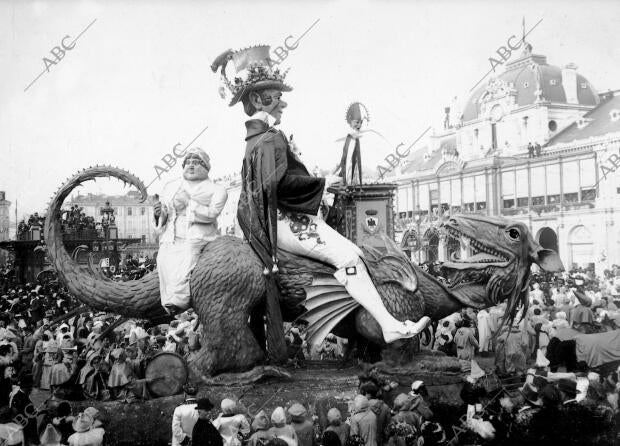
[280, 200]
[204, 433]
[22, 408]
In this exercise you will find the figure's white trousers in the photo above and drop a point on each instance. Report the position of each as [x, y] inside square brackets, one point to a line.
[310, 236]
[175, 262]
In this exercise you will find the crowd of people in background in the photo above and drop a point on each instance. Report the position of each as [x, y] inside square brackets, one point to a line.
[86, 355]
[367, 421]
[35, 220]
[131, 268]
[48, 344]
[75, 220]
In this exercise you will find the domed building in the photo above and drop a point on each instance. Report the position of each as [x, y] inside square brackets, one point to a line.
[534, 143]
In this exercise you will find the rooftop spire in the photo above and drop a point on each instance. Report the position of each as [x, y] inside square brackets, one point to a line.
[527, 47]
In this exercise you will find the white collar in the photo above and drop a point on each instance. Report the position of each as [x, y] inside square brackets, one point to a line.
[265, 117]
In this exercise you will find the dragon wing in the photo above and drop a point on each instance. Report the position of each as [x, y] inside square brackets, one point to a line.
[327, 303]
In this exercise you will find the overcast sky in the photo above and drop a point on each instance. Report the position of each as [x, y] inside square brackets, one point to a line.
[138, 81]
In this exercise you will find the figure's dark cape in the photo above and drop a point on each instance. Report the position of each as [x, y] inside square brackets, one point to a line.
[272, 178]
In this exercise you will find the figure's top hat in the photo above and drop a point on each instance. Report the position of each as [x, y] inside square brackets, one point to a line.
[253, 71]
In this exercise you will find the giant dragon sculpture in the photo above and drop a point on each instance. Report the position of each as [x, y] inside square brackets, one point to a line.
[228, 286]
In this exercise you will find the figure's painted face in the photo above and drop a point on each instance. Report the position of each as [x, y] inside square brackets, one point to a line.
[272, 103]
[356, 124]
[194, 169]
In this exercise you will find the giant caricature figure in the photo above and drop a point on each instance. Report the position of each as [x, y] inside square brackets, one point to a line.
[187, 222]
[280, 200]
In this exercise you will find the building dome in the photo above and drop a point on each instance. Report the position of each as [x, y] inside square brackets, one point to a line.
[523, 76]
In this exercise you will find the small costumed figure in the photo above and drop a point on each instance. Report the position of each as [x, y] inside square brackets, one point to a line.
[350, 166]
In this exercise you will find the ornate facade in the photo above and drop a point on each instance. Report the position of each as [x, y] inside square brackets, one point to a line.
[486, 162]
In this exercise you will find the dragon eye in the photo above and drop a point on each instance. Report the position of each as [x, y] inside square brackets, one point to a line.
[514, 234]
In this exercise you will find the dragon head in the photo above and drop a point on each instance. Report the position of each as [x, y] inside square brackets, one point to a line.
[496, 260]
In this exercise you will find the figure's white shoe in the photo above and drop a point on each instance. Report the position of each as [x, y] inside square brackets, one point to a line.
[408, 330]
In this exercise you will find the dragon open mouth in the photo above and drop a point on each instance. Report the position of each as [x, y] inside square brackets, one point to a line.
[475, 264]
[475, 254]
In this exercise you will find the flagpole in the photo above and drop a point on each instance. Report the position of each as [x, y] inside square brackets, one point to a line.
[16, 219]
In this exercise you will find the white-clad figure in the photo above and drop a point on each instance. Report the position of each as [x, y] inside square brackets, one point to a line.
[484, 330]
[184, 418]
[186, 221]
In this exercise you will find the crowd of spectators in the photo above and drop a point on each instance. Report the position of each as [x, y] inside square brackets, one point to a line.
[72, 220]
[370, 422]
[84, 357]
[35, 220]
[549, 408]
[48, 344]
[132, 268]
[75, 220]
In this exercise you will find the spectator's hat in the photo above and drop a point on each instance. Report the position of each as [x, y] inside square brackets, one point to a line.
[400, 402]
[360, 403]
[297, 410]
[117, 353]
[541, 361]
[416, 385]
[92, 412]
[137, 334]
[334, 415]
[204, 404]
[278, 417]
[52, 346]
[50, 437]
[228, 406]
[82, 423]
[531, 394]
[568, 386]
[261, 421]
